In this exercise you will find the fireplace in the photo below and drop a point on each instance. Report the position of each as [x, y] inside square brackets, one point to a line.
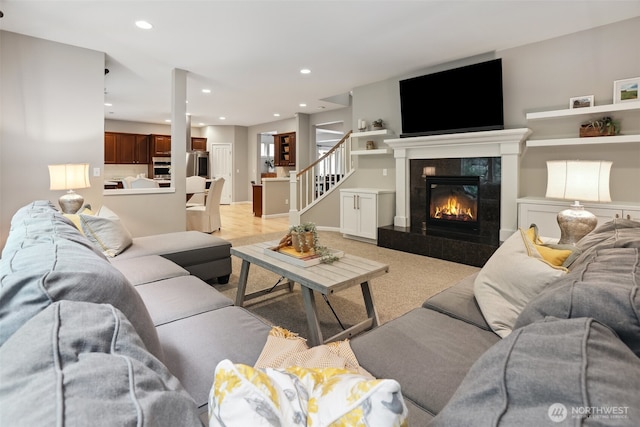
[453, 202]
[490, 155]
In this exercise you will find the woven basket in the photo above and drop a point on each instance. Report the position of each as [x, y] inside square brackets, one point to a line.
[589, 131]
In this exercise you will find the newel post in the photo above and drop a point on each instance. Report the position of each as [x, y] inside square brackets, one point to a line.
[294, 213]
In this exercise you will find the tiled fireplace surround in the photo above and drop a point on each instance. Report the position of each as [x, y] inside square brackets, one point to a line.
[445, 153]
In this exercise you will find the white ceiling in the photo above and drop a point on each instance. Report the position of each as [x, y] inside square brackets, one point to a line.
[249, 53]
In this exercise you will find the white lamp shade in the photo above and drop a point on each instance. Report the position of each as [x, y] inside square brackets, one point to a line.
[578, 180]
[69, 176]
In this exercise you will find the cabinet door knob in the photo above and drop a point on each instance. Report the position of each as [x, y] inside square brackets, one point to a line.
[628, 216]
[617, 215]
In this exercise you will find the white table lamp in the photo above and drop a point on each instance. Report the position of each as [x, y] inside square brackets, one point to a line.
[69, 177]
[578, 181]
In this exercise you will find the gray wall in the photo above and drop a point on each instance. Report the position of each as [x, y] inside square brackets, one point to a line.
[537, 77]
[52, 112]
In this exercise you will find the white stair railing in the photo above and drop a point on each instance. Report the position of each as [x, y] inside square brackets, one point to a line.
[314, 181]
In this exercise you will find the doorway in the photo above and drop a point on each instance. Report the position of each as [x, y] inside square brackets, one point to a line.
[222, 166]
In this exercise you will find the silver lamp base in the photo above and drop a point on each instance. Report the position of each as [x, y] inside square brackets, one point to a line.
[71, 202]
[575, 223]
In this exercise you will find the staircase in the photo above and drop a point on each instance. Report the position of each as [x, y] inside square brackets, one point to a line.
[315, 182]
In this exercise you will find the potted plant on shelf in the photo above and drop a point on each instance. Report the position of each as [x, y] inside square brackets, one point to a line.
[378, 124]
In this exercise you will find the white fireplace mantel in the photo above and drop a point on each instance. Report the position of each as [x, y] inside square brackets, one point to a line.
[506, 144]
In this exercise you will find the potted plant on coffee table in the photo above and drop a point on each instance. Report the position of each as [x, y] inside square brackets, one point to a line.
[304, 238]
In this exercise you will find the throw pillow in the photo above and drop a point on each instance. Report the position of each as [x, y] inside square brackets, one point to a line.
[285, 348]
[553, 253]
[106, 231]
[246, 396]
[605, 288]
[574, 370]
[512, 277]
[75, 218]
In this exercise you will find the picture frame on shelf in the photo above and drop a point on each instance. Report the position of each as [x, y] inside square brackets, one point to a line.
[626, 90]
[581, 101]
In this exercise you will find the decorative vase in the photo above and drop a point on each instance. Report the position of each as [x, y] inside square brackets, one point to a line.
[302, 242]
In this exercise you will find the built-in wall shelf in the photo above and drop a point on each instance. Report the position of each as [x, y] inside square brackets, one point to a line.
[598, 109]
[375, 151]
[359, 142]
[575, 112]
[617, 139]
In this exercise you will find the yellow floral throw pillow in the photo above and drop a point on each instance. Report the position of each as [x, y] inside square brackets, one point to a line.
[295, 396]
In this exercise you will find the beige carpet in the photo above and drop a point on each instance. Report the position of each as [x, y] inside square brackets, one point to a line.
[411, 280]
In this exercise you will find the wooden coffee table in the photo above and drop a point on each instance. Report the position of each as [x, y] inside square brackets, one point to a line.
[326, 279]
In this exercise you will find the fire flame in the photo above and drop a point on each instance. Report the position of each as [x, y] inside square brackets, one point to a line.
[453, 209]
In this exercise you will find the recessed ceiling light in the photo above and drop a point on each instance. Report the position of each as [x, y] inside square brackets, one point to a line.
[303, 104]
[108, 104]
[206, 90]
[168, 120]
[144, 25]
[276, 114]
[200, 124]
[222, 118]
[305, 71]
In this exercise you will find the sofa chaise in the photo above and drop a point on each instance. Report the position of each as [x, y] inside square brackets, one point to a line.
[136, 340]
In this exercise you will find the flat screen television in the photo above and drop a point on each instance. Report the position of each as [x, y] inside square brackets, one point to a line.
[463, 99]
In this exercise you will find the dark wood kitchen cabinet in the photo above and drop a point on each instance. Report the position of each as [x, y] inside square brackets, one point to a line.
[284, 149]
[126, 148]
[160, 145]
[198, 143]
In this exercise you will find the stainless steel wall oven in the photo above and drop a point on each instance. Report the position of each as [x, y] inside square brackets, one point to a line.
[161, 167]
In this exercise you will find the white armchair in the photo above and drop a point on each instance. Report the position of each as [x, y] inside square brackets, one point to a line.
[207, 218]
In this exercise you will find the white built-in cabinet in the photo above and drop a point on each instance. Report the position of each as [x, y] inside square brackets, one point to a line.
[543, 212]
[363, 210]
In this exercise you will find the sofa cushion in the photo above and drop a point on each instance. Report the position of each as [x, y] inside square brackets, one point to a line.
[179, 297]
[147, 269]
[78, 363]
[36, 221]
[514, 274]
[62, 265]
[459, 302]
[617, 233]
[227, 333]
[245, 396]
[427, 352]
[605, 288]
[201, 254]
[547, 372]
[180, 245]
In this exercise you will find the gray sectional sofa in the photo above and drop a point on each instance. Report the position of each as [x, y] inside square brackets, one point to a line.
[130, 340]
[572, 358]
[136, 339]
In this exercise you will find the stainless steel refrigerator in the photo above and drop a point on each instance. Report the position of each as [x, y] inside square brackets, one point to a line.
[198, 163]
